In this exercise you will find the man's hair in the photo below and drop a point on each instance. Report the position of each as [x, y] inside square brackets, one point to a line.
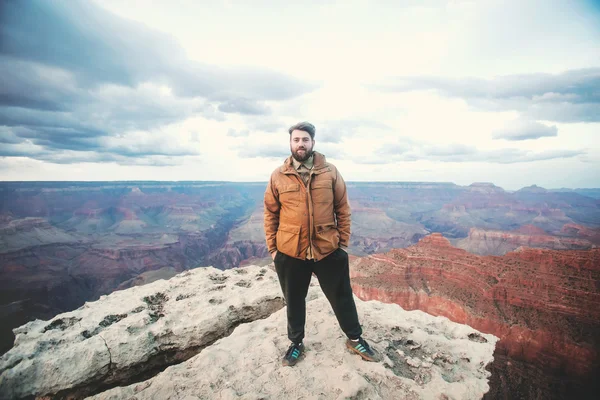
[304, 126]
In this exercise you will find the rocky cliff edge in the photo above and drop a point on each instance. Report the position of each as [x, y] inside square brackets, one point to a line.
[207, 334]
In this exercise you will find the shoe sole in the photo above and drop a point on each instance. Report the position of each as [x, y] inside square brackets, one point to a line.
[365, 357]
[287, 363]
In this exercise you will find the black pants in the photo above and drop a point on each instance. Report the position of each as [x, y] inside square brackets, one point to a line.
[333, 273]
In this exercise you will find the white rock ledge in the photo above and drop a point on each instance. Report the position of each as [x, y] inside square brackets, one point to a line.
[132, 334]
[425, 357]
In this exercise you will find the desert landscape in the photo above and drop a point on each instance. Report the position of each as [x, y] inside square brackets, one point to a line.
[522, 265]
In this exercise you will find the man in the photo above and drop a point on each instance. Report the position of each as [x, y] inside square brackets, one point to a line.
[307, 228]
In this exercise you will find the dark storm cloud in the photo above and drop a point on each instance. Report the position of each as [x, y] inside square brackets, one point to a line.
[572, 96]
[43, 144]
[59, 139]
[524, 130]
[72, 73]
[32, 119]
[17, 151]
[97, 47]
[8, 137]
[63, 131]
[29, 85]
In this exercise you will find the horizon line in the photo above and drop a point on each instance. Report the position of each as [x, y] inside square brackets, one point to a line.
[126, 181]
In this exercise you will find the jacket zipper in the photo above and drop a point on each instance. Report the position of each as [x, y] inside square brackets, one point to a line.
[309, 204]
[310, 222]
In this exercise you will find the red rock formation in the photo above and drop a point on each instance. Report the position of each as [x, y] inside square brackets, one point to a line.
[580, 231]
[543, 304]
[531, 230]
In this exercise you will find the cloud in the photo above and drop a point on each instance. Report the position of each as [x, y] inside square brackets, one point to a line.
[395, 149]
[511, 156]
[23, 149]
[64, 149]
[332, 151]
[571, 96]
[135, 144]
[268, 125]
[452, 150]
[238, 133]
[248, 150]
[244, 106]
[336, 131]
[68, 157]
[418, 151]
[36, 86]
[97, 46]
[523, 130]
[108, 112]
[75, 75]
[8, 137]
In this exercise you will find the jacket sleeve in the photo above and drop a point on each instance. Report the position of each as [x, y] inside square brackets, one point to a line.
[342, 209]
[271, 221]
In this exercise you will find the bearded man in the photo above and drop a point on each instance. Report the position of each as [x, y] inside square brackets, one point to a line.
[307, 229]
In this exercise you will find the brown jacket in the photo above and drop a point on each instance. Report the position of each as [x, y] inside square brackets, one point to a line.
[298, 216]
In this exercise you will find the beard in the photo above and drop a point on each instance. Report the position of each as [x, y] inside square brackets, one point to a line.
[302, 156]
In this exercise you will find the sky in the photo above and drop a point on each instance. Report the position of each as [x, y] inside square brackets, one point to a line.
[506, 92]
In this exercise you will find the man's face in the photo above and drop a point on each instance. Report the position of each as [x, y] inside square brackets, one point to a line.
[301, 145]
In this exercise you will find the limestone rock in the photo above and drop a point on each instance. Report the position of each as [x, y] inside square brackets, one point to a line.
[116, 347]
[247, 364]
[135, 332]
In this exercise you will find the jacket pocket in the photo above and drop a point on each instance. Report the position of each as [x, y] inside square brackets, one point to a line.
[289, 195]
[322, 192]
[327, 238]
[288, 239]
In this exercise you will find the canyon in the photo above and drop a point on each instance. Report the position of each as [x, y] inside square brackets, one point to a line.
[66, 243]
[541, 303]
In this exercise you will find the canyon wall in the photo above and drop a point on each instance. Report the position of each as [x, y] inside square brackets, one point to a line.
[541, 303]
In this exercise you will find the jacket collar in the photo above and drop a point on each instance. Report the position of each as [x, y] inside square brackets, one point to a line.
[308, 164]
[319, 162]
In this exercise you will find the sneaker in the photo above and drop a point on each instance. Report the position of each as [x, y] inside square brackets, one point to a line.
[293, 354]
[362, 348]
